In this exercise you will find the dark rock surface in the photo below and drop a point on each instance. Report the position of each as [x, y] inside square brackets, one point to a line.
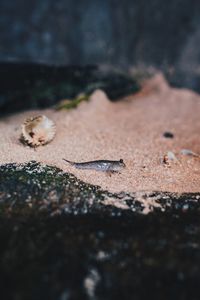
[35, 187]
[59, 241]
[26, 86]
[100, 258]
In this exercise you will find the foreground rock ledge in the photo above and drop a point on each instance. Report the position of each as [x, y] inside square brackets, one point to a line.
[33, 187]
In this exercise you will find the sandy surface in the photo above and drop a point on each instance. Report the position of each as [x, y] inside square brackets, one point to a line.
[131, 129]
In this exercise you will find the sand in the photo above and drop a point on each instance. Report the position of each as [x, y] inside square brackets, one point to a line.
[131, 129]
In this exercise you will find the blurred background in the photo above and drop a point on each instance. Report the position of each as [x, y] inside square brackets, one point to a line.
[163, 35]
[55, 53]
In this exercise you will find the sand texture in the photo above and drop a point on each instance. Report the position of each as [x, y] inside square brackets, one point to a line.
[131, 129]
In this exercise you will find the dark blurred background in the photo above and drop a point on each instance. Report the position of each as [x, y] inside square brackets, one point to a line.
[131, 34]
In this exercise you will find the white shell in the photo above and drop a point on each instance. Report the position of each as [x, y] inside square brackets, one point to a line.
[38, 131]
[169, 157]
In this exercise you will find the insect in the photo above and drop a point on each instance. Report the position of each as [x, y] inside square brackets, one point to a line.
[110, 166]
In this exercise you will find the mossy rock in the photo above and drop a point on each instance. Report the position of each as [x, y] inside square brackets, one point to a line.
[33, 187]
[26, 86]
[60, 241]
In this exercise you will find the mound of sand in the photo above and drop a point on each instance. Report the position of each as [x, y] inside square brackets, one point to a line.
[131, 129]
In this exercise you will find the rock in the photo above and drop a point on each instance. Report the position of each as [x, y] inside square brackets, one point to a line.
[62, 238]
[168, 135]
[35, 188]
[25, 86]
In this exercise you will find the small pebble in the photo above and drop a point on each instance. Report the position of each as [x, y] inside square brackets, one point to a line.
[189, 153]
[185, 207]
[170, 156]
[168, 135]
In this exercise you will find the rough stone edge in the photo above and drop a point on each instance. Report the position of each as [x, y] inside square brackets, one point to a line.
[35, 187]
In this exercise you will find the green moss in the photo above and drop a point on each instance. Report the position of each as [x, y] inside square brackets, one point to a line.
[33, 186]
[72, 103]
